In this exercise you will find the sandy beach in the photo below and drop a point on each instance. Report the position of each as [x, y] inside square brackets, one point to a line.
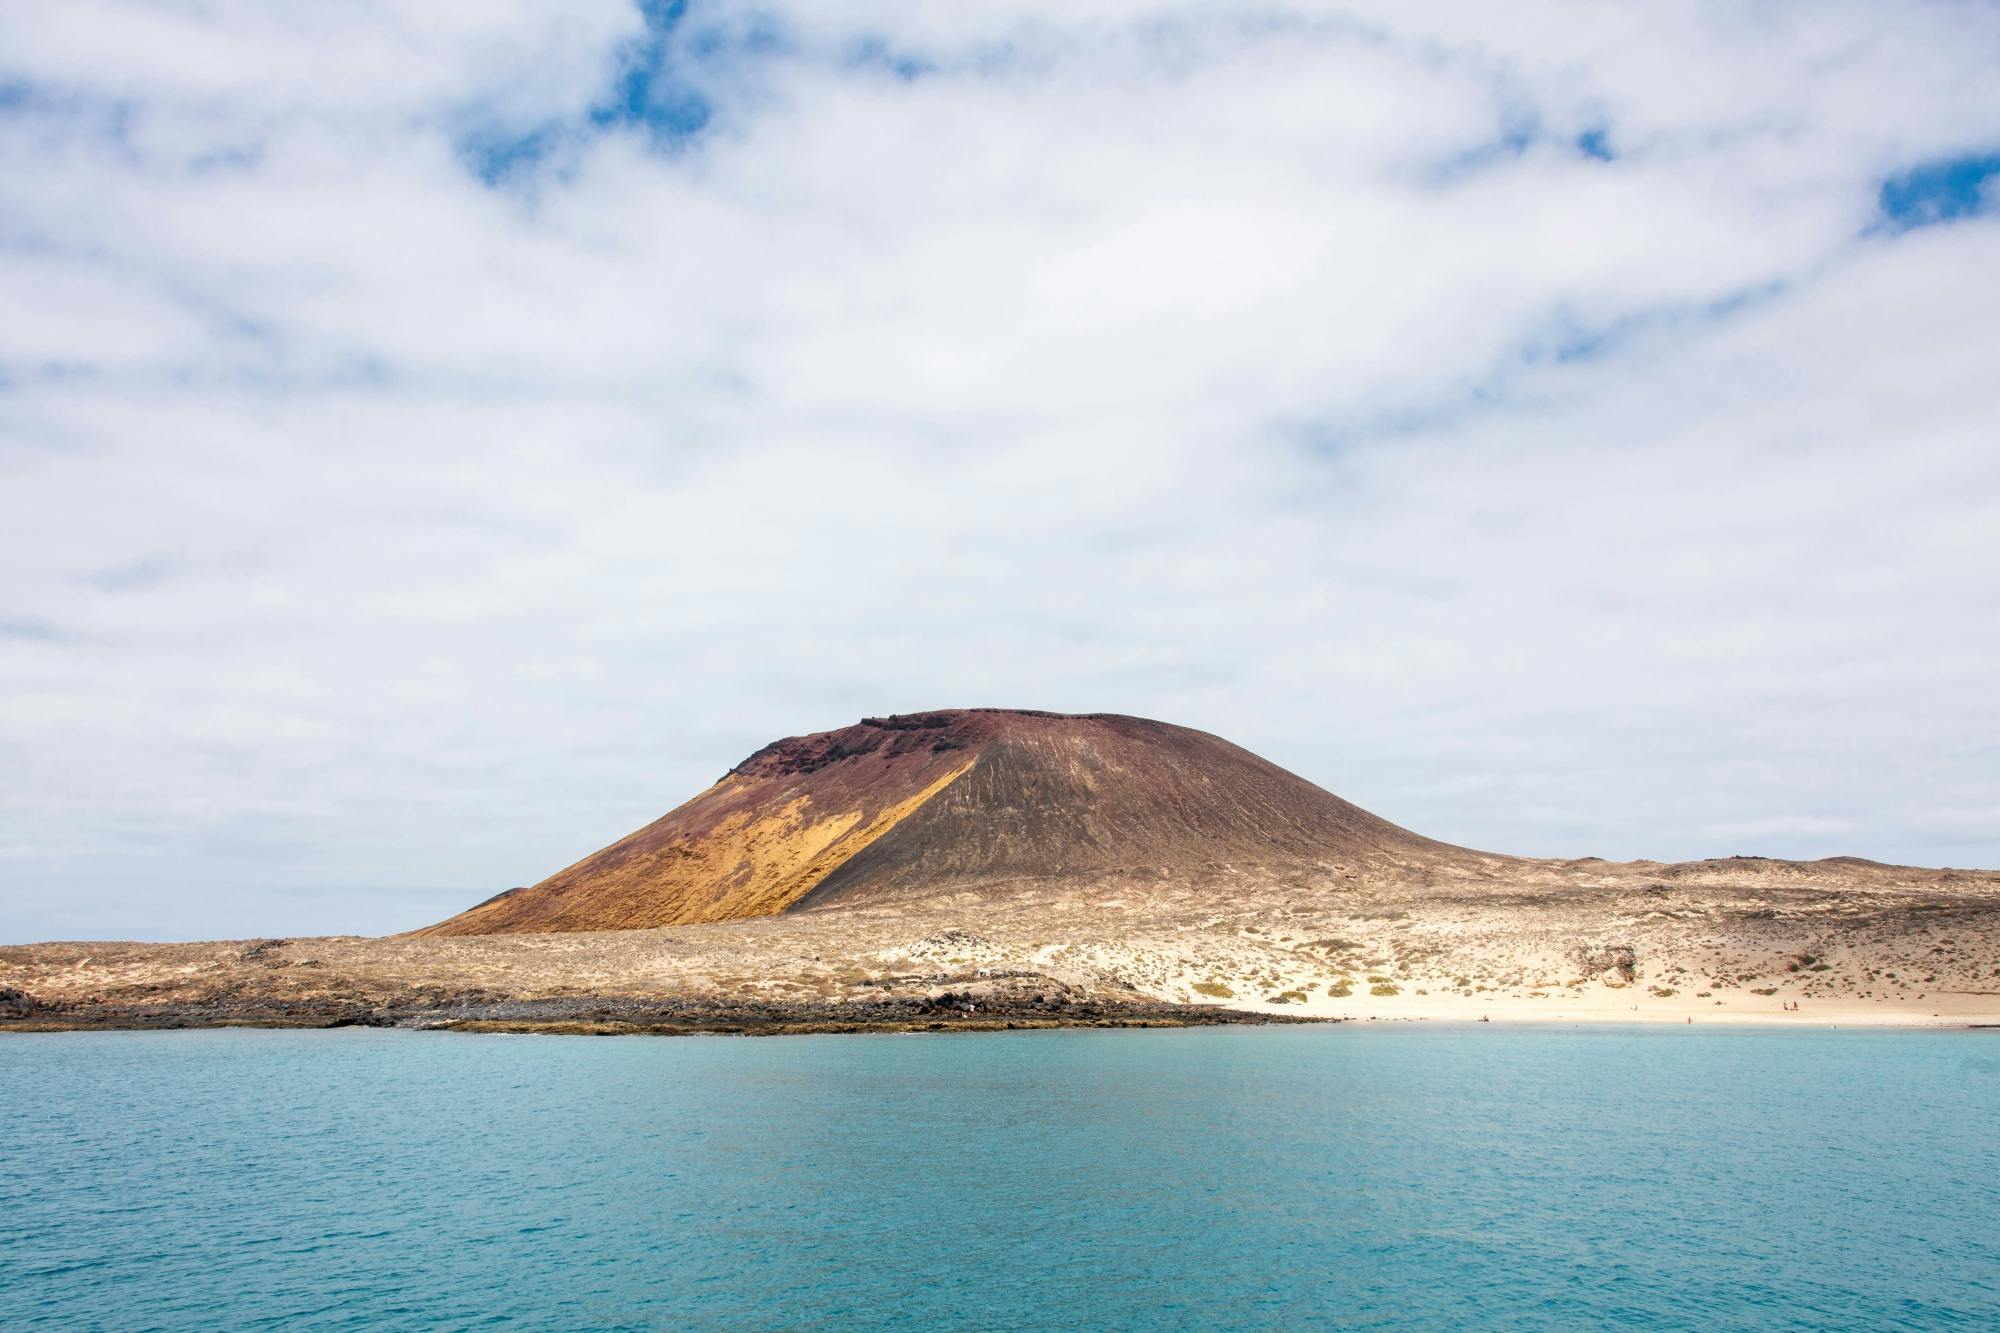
[1945, 1009]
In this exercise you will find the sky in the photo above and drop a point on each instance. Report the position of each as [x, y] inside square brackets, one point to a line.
[436, 439]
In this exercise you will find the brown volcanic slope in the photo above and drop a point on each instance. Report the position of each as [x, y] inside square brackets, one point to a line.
[908, 806]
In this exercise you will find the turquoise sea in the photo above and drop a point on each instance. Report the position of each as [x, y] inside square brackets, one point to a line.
[1365, 1176]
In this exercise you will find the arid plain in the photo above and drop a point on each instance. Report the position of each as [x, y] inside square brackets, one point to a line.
[992, 868]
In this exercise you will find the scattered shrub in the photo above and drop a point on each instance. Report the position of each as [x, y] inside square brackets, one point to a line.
[1384, 987]
[1214, 990]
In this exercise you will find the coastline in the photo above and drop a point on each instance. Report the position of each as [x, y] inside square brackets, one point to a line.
[625, 1016]
[630, 1016]
[1751, 944]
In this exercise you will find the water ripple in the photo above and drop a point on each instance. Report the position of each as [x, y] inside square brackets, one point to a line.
[1369, 1178]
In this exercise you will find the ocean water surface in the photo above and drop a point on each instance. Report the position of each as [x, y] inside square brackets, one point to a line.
[1361, 1176]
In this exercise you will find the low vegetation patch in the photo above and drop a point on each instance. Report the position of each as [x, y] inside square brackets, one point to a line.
[1384, 987]
[1215, 990]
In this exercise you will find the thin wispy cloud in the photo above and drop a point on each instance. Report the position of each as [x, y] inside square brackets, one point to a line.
[435, 439]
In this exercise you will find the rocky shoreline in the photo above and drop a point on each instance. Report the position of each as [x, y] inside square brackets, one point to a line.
[617, 1015]
[1739, 941]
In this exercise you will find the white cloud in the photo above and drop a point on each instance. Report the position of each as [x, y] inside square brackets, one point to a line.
[1305, 379]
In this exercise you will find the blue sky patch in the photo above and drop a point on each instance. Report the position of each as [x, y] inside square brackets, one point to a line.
[1517, 134]
[1940, 191]
[496, 155]
[645, 93]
